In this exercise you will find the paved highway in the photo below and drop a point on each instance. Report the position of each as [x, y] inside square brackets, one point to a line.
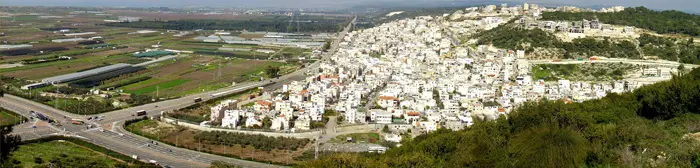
[126, 143]
[664, 63]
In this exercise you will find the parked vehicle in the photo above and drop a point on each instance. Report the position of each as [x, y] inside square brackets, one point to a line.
[197, 100]
[141, 113]
[77, 122]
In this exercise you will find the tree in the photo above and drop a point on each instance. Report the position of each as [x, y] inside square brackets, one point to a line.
[8, 143]
[385, 129]
[267, 122]
[340, 118]
[681, 68]
[326, 46]
[272, 71]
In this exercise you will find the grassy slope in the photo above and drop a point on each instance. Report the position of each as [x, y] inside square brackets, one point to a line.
[8, 118]
[54, 149]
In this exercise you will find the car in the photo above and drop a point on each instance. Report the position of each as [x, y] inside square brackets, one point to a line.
[141, 113]
[153, 162]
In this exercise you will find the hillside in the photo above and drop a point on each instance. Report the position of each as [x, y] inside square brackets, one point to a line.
[644, 128]
[641, 17]
[509, 36]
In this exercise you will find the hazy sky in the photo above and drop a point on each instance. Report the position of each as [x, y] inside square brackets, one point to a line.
[685, 5]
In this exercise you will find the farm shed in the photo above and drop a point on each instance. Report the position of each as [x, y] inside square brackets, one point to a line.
[153, 53]
[84, 74]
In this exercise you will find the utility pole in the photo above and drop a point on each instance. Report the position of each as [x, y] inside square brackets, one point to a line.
[316, 146]
[157, 88]
[56, 103]
[219, 68]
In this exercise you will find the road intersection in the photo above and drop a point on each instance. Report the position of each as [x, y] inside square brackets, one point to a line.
[117, 139]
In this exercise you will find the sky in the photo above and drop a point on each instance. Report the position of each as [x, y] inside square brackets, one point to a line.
[683, 5]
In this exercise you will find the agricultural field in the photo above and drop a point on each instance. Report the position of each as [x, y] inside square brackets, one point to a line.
[195, 74]
[250, 147]
[200, 67]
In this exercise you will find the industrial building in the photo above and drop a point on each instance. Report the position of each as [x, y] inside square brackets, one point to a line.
[154, 53]
[68, 40]
[8, 47]
[84, 74]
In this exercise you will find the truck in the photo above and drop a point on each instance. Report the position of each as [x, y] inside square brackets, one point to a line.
[197, 99]
[141, 113]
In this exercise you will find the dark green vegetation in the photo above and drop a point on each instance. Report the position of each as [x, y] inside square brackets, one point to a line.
[675, 49]
[71, 152]
[8, 144]
[641, 17]
[511, 37]
[645, 128]
[272, 23]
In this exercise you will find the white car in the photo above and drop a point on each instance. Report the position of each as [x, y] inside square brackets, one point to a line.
[153, 162]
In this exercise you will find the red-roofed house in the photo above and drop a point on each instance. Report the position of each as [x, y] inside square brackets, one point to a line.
[388, 101]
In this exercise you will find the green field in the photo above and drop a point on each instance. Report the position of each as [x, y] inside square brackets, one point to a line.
[64, 153]
[8, 118]
[23, 18]
[62, 103]
[160, 86]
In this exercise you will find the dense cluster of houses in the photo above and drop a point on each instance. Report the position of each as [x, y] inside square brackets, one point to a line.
[408, 75]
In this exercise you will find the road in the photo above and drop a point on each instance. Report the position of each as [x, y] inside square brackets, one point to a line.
[121, 141]
[664, 63]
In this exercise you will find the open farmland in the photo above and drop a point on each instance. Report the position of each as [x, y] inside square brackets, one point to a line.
[38, 71]
[50, 44]
[175, 16]
[196, 73]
